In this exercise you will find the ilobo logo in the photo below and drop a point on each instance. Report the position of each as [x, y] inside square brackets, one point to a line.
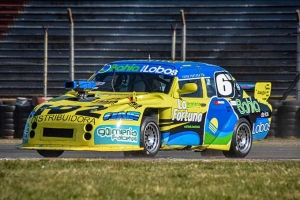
[136, 68]
[261, 126]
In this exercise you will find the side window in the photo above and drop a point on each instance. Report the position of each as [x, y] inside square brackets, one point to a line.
[210, 87]
[198, 93]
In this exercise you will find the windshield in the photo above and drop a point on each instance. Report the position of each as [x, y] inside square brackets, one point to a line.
[129, 82]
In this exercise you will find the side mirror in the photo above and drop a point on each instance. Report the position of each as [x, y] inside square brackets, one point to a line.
[188, 88]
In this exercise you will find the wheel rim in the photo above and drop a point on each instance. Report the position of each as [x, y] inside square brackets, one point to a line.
[243, 138]
[151, 137]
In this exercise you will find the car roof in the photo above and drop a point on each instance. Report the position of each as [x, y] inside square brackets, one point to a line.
[182, 69]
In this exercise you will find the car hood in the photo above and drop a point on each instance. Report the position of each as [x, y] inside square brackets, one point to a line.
[111, 100]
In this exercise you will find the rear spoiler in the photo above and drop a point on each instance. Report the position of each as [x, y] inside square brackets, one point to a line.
[262, 90]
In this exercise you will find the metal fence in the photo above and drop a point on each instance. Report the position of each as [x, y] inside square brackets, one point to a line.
[255, 41]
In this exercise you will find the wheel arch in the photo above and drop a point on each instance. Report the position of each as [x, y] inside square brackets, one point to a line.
[151, 112]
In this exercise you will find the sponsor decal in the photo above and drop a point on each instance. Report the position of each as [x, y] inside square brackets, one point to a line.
[247, 105]
[261, 126]
[233, 103]
[213, 125]
[64, 118]
[99, 83]
[87, 111]
[188, 76]
[182, 114]
[193, 104]
[129, 115]
[264, 114]
[105, 102]
[218, 103]
[135, 105]
[110, 134]
[136, 68]
[158, 70]
[262, 92]
[191, 126]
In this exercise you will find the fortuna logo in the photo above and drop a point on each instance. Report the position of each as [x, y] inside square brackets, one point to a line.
[181, 113]
[136, 68]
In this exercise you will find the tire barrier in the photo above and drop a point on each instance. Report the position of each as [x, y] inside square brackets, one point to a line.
[39, 100]
[21, 115]
[288, 119]
[7, 121]
[22, 111]
[274, 127]
[1, 103]
[13, 117]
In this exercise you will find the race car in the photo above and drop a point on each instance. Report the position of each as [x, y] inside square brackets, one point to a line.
[143, 106]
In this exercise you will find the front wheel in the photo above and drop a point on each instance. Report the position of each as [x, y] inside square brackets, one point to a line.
[150, 139]
[50, 153]
[241, 140]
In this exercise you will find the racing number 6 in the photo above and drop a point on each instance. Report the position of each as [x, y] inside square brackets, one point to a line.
[224, 85]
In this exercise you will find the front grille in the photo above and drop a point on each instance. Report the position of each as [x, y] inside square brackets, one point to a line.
[58, 132]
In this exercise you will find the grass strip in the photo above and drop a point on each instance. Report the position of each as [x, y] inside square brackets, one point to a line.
[148, 179]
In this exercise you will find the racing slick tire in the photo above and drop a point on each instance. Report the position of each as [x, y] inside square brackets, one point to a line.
[150, 139]
[50, 153]
[241, 142]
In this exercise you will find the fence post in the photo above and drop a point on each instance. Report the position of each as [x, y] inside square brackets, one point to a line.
[45, 61]
[71, 70]
[183, 41]
[298, 53]
[174, 42]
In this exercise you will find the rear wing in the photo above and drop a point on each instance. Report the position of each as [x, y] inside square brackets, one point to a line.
[261, 90]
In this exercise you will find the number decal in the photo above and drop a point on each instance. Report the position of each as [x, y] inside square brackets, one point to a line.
[224, 84]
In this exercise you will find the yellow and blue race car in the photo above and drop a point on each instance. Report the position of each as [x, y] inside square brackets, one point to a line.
[143, 106]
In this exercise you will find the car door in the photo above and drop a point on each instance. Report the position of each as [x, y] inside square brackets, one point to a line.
[221, 117]
[188, 116]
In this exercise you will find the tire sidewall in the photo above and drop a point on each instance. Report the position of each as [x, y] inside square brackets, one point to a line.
[149, 120]
[234, 146]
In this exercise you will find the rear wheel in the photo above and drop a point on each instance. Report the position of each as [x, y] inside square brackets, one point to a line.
[50, 153]
[150, 139]
[241, 140]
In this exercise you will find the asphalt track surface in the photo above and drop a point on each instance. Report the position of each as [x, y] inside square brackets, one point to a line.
[263, 150]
